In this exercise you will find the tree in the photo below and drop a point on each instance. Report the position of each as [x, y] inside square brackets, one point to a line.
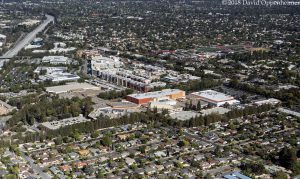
[95, 134]
[100, 174]
[183, 143]
[288, 157]
[88, 170]
[208, 176]
[58, 140]
[280, 175]
[218, 151]
[199, 105]
[106, 141]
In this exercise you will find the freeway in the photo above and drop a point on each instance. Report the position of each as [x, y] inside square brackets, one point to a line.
[27, 39]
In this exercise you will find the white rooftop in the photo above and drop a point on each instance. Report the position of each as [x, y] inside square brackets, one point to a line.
[2, 36]
[55, 58]
[184, 115]
[213, 95]
[155, 94]
[216, 110]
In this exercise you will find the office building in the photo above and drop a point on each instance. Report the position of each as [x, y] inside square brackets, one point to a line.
[214, 98]
[144, 98]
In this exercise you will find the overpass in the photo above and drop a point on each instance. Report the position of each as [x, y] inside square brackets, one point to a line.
[26, 40]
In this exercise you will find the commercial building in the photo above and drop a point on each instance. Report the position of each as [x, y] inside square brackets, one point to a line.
[122, 105]
[127, 79]
[271, 101]
[169, 104]
[180, 78]
[55, 74]
[54, 125]
[110, 112]
[99, 63]
[71, 87]
[59, 77]
[144, 98]
[216, 110]
[55, 60]
[184, 115]
[50, 70]
[214, 98]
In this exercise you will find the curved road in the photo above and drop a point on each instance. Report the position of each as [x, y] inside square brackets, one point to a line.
[27, 39]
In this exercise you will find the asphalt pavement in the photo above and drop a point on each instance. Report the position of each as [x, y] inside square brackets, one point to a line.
[37, 169]
[27, 39]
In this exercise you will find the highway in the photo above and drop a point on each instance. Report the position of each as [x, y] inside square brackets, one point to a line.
[27, 39]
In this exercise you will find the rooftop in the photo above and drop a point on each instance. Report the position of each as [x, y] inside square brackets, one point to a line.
[65, 122]
[156, 94]
[184, 115]
[213, 95]
[71, 87]
[217, 110]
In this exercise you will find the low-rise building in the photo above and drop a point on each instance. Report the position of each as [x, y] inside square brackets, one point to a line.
[214, 98]
[55, 60]
[72, 87]
[271, 101]
[184, 115]
[216, 110]
[110, 112]
[144, 98]
[54, 125]
[100, 63]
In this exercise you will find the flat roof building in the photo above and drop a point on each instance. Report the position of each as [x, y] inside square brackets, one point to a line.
[144, 98]
[59, 77]
[184, 115]
[122, 105]
[71, 87]
[56, 60]
[271, 101]
[101, 63]
[216, 110]
[54, 125]
[111, 112]
[214, 98]
[56, 74]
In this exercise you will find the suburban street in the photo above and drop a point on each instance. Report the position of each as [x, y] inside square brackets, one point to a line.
[35, 167]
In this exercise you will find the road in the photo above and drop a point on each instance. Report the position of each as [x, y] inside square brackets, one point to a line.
[27, 39]
[35, 167]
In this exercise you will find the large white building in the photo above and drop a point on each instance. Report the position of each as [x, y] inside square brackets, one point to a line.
[56, 74]
[55, 60]
[100, 63]
[214, 98]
